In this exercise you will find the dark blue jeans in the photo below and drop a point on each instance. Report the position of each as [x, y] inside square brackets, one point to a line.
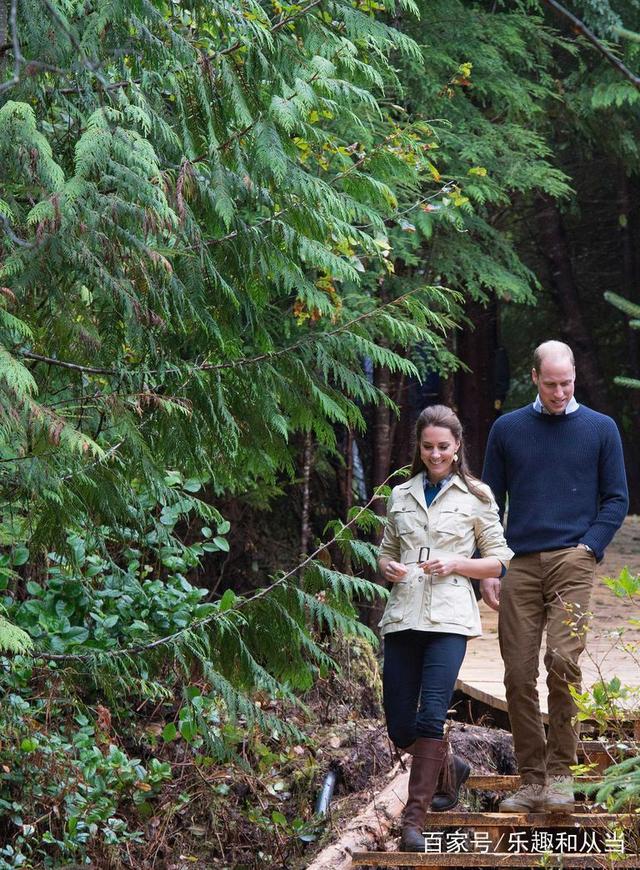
[418, 678]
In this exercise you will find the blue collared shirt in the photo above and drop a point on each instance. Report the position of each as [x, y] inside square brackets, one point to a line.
[431, 490]
[572, 406]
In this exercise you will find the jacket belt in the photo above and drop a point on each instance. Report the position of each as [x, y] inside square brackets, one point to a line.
[425, 554]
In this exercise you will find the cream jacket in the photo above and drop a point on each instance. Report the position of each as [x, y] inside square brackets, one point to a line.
[456, 523]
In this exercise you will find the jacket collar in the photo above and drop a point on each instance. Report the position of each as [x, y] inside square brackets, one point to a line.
[415, 487]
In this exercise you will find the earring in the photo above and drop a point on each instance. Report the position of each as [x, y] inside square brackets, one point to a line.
[455, 457]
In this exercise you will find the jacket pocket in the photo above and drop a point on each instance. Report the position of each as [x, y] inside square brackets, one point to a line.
[453, 522]
[452, 602]
[405, 519]
[400, 599]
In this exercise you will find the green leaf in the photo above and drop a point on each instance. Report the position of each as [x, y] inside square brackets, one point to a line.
[228, 600]
[188, 729]
[169, 732]
[20, 556]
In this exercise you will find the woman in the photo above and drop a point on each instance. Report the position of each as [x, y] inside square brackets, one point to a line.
[435, 523]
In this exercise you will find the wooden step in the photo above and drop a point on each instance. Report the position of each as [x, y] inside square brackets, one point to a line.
[477, 839]
[586, 746]
[495, 782]
[613, 747]
[528, 820]
[494, 860]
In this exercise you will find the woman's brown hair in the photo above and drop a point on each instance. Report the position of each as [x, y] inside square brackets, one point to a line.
[441, 415]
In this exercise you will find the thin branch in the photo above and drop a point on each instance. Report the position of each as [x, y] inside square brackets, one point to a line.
[623, 33]
[275, 28]
[199, 623]
[297, 14]
[243, 361]
[33, 65]
[444, 190]
[308, 339]
[249, 227]
[582, 28]
[6, 226]
[125, 83]
[66, 365]
[17, 54]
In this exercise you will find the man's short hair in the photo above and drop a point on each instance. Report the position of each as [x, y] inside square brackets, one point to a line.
[548, 348]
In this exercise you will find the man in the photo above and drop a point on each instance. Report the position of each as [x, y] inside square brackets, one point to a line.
[561, 466]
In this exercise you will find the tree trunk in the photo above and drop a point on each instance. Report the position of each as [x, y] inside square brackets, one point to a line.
[475, 389]
[344, 472]
[382, 433]
[305, 524]
[590, 383]
[630, 289]
[630, 277]
[4, 31]
[402, 427]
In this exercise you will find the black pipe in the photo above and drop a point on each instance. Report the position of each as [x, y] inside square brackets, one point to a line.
[323, 800]
[326, 793]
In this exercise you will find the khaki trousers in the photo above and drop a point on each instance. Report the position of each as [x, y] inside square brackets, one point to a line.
[552, 589]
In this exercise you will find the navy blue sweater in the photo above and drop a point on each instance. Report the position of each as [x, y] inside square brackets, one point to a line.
[563, 475]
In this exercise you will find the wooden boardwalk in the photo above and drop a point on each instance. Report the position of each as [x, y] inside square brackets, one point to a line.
[481, 676]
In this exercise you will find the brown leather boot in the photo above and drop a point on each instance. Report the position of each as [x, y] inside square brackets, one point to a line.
[453, 774]
[428, 755]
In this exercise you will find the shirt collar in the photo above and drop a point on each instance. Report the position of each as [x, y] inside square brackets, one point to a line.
[453, 478]
[572, 406]
[439, 484]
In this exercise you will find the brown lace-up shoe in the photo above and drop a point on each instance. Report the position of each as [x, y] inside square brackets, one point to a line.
[558, 797]
[529, 798]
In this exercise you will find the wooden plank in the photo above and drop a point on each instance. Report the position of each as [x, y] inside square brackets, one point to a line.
[586, 747]
[495, 782]
[490, 859]
[486, 691]
[482, 672]
[531, 820]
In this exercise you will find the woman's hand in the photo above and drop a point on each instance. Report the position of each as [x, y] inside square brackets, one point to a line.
[490, 591]
[395, 572]
[441, 567]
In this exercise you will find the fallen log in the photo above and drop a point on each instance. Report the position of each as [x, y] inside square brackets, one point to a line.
[488, 750]
[370, 828]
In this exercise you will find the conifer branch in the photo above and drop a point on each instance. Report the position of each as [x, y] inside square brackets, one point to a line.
[624, 33]
[344, 174]
[278, 26]
[582, 28]
[93, 67]
[243, 361]
[309, 339]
